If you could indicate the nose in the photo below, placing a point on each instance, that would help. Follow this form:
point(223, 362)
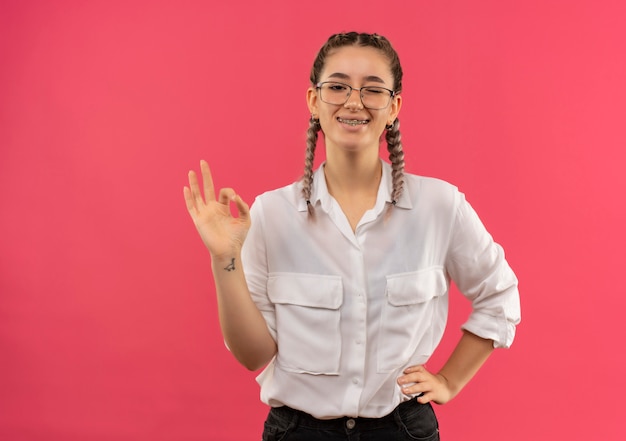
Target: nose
point(354, 100)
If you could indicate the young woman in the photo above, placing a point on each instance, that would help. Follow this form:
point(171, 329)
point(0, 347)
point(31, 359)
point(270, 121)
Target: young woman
point(338, 284)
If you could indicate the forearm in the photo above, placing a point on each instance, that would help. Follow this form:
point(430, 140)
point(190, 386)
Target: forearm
point(243, 326)
point(468, 356)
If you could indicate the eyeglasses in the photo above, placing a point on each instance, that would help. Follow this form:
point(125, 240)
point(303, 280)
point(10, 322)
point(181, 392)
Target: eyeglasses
point(372, 97)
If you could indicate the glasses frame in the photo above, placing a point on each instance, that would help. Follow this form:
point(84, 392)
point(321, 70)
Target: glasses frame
point(392, 93)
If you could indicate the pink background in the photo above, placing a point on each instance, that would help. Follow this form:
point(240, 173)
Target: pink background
point(108, 328)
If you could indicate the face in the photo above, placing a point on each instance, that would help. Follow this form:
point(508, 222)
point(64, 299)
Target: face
point(351, 126)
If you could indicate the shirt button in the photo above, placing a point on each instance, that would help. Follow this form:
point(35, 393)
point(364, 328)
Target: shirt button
point(355, 380)
point(350, 423)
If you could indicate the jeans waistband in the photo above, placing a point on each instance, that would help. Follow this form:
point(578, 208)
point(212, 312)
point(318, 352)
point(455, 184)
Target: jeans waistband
point(306, 420)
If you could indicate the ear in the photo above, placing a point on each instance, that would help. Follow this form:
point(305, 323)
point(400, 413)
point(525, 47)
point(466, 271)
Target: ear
point(394, 108)
point(312, 100)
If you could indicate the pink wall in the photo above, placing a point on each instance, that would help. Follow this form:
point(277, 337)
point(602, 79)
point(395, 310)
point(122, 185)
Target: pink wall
point(108, 328)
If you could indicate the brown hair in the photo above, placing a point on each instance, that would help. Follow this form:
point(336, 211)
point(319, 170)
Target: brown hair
point(392, 135)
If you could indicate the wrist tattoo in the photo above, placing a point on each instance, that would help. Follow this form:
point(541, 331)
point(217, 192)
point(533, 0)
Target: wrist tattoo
point(231, 265)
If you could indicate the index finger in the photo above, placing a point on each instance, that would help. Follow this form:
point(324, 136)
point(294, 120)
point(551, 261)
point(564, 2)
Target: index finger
point(207, 181)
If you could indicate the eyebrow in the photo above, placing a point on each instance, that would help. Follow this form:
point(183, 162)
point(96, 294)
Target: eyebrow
point(369, 78)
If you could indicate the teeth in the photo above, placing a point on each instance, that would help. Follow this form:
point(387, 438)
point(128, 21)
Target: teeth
point(353, 122)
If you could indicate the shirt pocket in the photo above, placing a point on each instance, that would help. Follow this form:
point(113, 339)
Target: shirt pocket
point(413, 317)
point(307, 321)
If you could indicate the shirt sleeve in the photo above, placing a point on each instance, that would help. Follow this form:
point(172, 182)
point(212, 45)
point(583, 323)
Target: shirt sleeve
point(255, 266)
point(478, 267)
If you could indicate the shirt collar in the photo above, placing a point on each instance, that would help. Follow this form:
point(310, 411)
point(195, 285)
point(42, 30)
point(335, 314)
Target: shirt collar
point(320, 194)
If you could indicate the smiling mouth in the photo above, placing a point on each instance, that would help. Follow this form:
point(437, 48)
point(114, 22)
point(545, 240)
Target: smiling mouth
point(353, 122)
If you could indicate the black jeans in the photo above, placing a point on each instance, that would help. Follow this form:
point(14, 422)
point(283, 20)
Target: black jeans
point(409, 421)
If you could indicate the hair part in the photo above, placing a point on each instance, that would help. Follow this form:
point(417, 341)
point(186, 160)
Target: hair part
point(362, 40)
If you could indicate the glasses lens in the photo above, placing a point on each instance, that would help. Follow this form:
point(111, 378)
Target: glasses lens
point(337, 93)
point(334, 93)
point(375, 97)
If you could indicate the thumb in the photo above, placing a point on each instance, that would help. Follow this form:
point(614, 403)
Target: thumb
point(243, 211)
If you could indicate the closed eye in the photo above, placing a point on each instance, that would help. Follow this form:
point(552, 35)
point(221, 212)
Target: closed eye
point(374, 90)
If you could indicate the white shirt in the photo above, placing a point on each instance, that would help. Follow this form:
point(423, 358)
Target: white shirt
point(351, 310)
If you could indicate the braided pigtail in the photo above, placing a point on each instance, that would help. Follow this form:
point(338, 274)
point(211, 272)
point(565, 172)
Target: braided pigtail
point(307, 179)
point(396, 157)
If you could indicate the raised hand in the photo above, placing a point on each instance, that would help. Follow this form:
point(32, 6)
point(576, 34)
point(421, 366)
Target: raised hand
point(222, 233)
